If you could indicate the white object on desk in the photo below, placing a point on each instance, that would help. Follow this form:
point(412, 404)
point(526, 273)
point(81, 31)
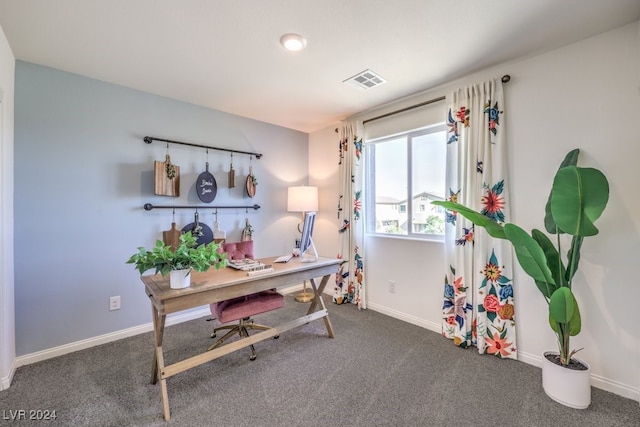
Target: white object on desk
point(260, 271)
point(283, 258)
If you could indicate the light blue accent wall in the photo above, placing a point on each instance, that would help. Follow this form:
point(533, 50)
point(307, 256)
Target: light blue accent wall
point(82, 175)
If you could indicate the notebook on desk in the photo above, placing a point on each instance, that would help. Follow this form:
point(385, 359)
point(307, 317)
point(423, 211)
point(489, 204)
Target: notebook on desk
point(245, 264)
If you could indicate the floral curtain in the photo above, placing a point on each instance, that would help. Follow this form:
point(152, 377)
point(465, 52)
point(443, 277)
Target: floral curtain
point(350, 286)
point(478, 288)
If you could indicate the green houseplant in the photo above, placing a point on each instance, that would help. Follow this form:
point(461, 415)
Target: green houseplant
point(577, 199)
point(187, 256)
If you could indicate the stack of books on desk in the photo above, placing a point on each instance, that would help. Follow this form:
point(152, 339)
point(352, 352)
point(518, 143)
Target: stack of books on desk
point(249, 265)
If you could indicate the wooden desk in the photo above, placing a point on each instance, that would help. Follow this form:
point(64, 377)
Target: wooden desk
point(219, 285)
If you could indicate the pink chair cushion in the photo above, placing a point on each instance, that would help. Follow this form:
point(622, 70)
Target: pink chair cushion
point(237, 250)
point(247, 306)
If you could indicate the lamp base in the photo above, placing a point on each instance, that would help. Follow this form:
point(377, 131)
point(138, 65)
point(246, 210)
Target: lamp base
point(304, 296)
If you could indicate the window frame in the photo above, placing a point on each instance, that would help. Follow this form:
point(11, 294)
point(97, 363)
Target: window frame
point(369, 179)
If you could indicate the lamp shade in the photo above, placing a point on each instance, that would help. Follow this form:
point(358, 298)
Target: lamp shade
point(302, 199)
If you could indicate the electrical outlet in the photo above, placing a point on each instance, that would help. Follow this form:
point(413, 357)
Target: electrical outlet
point(392, 286)
point(114, 303)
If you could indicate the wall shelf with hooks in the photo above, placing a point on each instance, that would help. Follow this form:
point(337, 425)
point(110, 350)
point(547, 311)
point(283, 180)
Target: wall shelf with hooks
point(150, 139)
point(149, 206)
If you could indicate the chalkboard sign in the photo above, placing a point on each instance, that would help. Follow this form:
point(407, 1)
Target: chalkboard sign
point(206, 186)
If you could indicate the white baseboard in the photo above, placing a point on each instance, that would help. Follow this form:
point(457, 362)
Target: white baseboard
point(616, 387)
point(5, 381)
point(114, 336)
point(597, 381)
point(435, 327)
point(107, 338)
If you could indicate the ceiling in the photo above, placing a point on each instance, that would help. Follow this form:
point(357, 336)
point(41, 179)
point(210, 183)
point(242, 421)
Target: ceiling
point(226, 55)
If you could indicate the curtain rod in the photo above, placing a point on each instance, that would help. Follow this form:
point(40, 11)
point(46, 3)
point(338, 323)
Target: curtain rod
point(150, 139)
point(505, 79)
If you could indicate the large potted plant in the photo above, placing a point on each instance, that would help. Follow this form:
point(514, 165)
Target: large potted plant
point(179, 263)
point(577, 199)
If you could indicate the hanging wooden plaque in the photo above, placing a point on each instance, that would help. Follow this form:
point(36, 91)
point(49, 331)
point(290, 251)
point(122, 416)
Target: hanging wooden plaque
point(164, 185)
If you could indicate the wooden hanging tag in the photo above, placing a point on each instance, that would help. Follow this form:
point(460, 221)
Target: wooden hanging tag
point(232, 177)
point(232, 174)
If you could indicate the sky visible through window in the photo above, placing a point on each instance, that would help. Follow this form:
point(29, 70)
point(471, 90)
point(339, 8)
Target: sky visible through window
point(391, 166)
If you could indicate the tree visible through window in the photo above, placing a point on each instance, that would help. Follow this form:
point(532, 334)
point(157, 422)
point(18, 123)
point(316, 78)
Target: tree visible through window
point(405, 173)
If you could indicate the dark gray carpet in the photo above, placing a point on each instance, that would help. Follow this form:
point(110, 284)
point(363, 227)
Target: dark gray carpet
point(378, 371)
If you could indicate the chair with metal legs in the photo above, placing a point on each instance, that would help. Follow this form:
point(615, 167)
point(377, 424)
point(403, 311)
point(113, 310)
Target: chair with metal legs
point(242, 308)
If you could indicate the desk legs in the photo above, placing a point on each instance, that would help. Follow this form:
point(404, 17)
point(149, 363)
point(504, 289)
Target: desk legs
point(318, 290)
point(159, 370)
point(158, 359)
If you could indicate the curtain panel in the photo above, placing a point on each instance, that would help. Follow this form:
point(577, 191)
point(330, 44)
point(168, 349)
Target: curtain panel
point(350, 284)
point(478, 307)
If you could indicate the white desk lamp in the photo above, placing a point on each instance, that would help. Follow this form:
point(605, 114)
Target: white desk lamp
point(302, 199)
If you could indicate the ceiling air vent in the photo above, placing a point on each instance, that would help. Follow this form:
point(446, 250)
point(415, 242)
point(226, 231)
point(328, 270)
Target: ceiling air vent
point(365, 80)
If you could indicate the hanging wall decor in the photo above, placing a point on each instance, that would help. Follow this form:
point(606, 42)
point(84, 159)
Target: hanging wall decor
point(247, 231)
point(252, 181)
point(218, 235)
point(201, 231)
point(206, 185)
point(171, 237)
point(167, 177)
point(232, 174)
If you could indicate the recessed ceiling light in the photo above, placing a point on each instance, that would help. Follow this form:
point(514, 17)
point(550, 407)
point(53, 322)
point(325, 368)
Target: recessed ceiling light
point(293, 42)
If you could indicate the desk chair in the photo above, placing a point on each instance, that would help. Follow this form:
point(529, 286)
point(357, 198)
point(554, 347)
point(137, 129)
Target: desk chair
point(241, 309)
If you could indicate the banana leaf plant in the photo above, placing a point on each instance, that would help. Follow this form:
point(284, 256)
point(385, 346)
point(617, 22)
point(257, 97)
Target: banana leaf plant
point(577, 199)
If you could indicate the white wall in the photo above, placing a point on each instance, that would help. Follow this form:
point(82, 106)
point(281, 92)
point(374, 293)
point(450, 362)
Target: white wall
point(82, 175)
point(323, 166)
point(585, 95)
point(7, 328)
point(581, 96)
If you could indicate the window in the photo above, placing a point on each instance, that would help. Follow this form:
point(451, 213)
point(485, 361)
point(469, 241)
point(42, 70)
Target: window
point(404, 174)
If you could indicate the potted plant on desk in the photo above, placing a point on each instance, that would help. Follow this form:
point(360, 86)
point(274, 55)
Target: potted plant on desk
point(578, 198)
point(179, 263)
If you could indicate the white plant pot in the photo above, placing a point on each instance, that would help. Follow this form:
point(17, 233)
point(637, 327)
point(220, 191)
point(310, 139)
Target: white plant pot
point(569, 387)
point(179, 279)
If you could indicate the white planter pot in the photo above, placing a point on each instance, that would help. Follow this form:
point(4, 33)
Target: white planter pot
point(569, 387)
point(179, 279)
